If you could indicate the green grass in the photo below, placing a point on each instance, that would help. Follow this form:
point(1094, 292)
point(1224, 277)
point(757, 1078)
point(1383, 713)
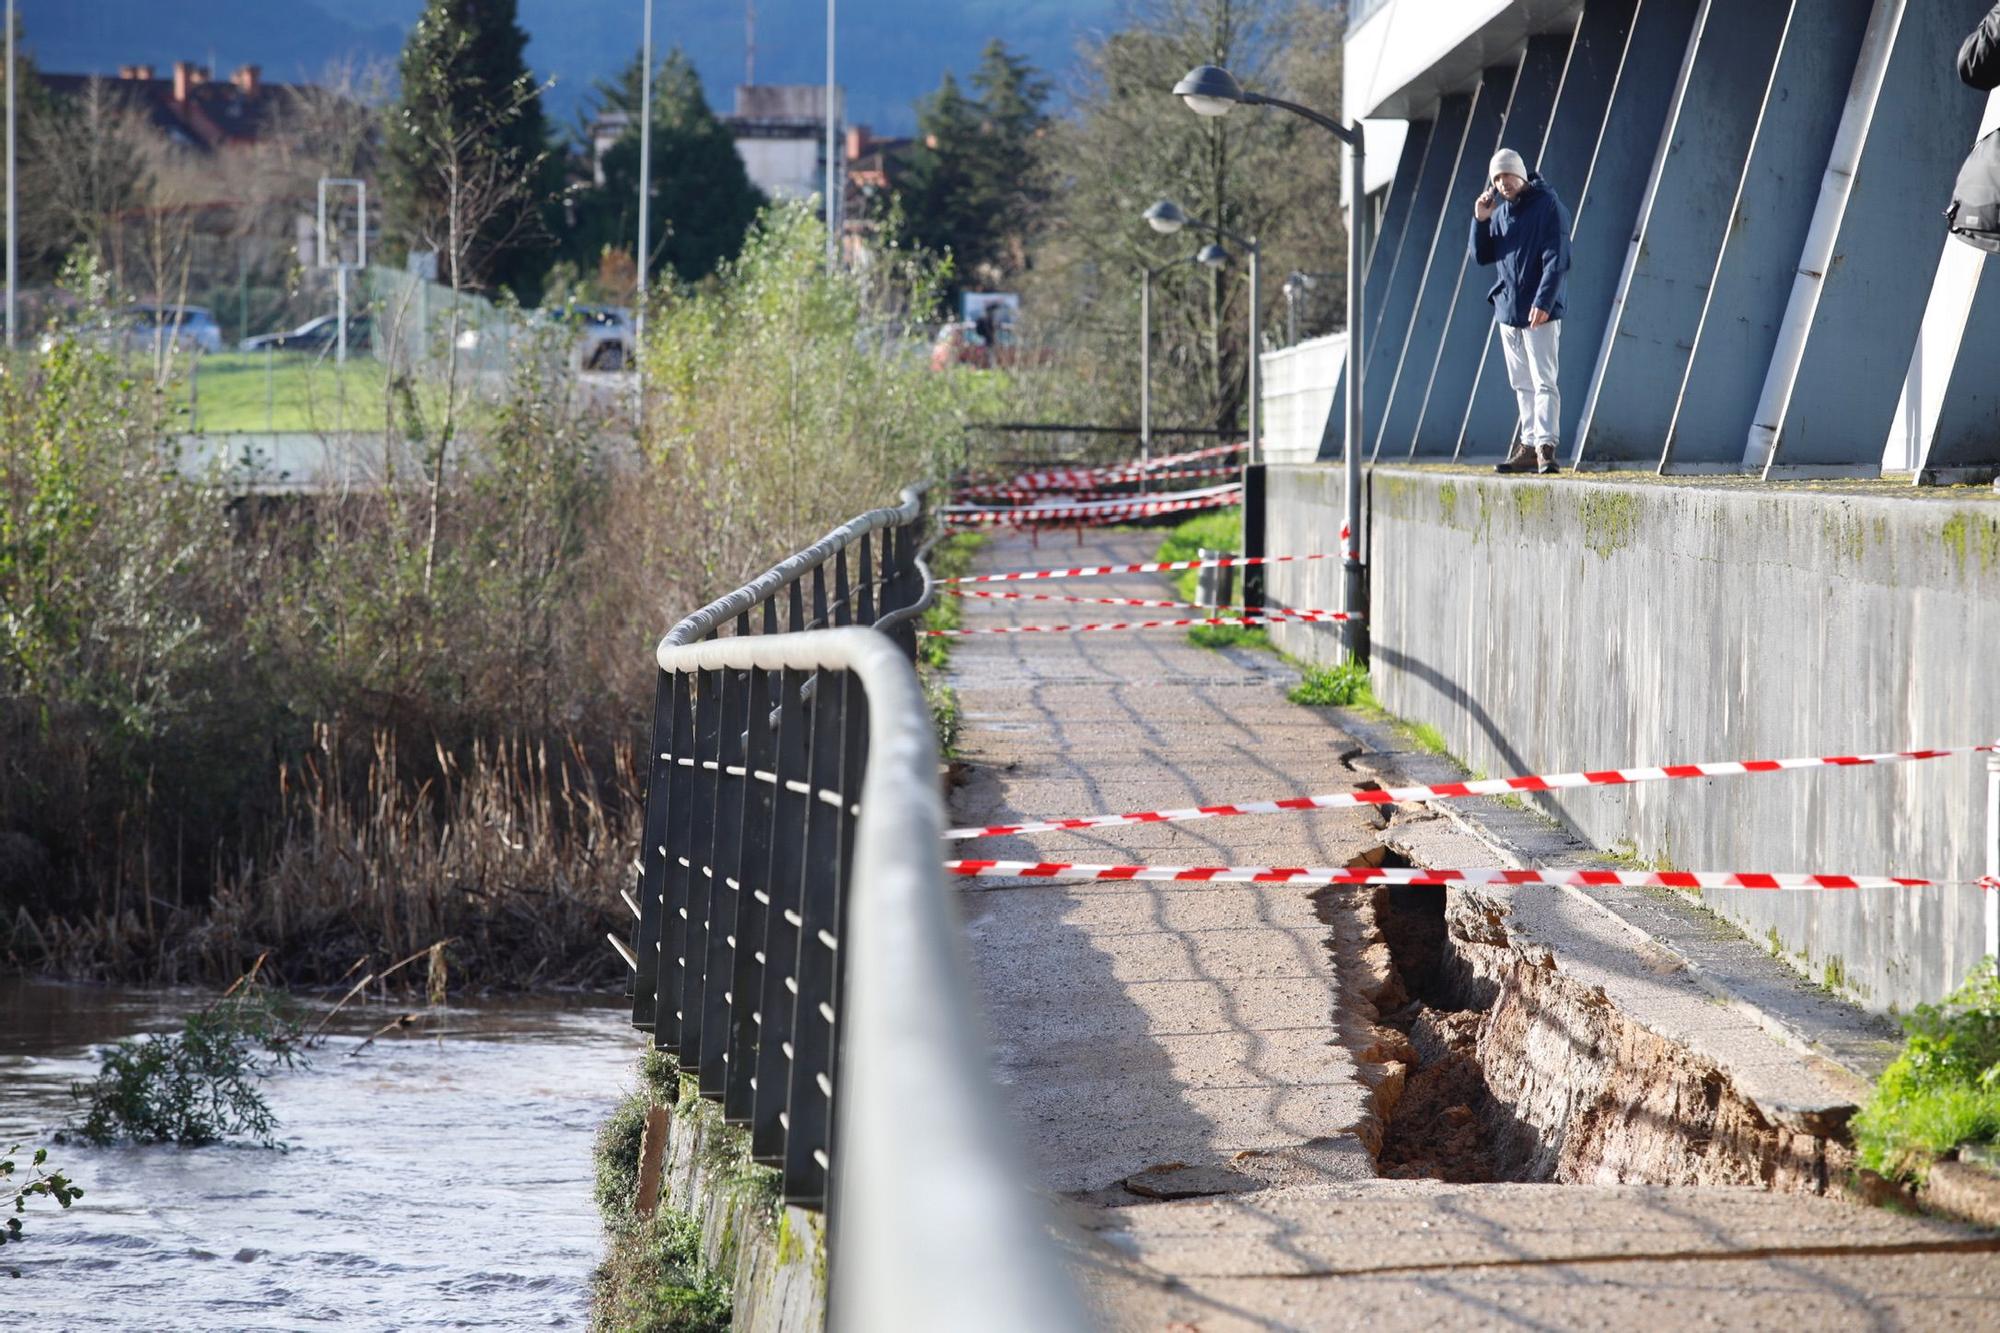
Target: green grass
point(1342, 686)
point(1229, 636)
point(1944, 1089)
point(949, 559)
point(1217, 530)
point(1425, 737)
point(287, 391)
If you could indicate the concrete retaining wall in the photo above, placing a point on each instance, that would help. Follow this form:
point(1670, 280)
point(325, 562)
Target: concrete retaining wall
point(1545, 626)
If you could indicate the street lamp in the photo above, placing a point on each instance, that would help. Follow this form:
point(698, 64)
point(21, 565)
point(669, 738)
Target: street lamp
point(1167, 217)
point(1297, 283)
point(1210, 90)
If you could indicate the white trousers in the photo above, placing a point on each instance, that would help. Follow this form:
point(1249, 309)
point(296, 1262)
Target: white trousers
point(1531, 370)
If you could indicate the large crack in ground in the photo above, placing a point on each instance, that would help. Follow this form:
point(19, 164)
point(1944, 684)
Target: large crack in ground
point(1436, 1115)
point(1487, 1063)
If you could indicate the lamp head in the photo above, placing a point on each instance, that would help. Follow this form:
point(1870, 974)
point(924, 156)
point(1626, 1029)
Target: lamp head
point(1209, 90)
point(1165, 217)
point(1212, 256)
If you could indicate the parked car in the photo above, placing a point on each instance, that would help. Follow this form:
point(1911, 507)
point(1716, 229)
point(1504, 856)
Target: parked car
point(315, 335)
point(138, 328)
point(604, 335)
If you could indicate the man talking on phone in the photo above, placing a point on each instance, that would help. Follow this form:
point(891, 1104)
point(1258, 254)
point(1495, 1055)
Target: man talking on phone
point(1520, 225)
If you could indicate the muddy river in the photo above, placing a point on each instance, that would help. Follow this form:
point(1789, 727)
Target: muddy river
point(440, 1180)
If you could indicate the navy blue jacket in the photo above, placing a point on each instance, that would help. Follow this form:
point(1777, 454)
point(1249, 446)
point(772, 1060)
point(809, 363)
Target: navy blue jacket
point(1529, 240)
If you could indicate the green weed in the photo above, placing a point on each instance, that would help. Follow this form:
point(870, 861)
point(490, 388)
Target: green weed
point(1342, 686)
point(39, 1183)
point(1425, 737)
point(1229, 636)
point(1944, 1089)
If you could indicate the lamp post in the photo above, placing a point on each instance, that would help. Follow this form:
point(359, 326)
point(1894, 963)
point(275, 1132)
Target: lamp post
point(1210, 90)
point(645, 210)
point(1296, 283)
point(1167, 217)
point(1146, 345)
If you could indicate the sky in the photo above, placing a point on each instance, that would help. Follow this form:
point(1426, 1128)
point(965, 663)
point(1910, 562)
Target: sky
point(891, 51)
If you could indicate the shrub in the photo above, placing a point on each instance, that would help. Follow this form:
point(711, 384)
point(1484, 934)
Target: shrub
point(1944, 1089)
point(198, 1086)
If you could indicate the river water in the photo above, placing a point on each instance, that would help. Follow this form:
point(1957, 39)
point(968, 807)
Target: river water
point(428, 1183)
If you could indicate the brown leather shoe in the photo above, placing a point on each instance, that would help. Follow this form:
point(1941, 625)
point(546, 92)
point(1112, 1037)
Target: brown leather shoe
point(1520, 459)
point(1545, 459)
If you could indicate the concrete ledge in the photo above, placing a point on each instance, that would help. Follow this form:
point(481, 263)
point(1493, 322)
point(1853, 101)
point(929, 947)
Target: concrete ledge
point(1545, 625)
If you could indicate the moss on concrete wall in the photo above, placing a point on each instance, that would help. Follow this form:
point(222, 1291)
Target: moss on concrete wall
point(722, 1250)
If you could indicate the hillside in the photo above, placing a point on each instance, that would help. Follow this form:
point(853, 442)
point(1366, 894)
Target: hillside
point(891, 51)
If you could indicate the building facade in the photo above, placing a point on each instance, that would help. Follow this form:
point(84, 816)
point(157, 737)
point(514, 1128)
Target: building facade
point(1763, 281)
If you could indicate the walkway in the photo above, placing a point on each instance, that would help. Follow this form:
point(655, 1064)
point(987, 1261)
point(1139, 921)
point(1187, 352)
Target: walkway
point(1170, 1042)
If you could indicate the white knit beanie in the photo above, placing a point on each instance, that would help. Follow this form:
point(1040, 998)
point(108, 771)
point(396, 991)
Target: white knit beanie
point(1506, 162)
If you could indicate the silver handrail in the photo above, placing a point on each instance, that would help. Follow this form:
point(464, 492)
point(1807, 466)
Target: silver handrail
point(932, 1226)
point(730, 605)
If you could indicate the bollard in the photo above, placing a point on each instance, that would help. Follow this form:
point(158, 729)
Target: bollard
point(1214, 586)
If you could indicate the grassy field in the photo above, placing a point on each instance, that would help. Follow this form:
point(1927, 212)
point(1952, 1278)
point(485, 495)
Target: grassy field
point(284, 391)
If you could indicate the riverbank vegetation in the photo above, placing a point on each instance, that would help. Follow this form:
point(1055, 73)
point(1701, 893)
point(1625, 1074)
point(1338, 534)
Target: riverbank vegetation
point(322, 727)
point(653, 1276)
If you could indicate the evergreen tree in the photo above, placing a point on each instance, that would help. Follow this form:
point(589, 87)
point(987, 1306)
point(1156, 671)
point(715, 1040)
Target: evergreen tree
point(703, 203)
point(468, 165)
point(975, 186)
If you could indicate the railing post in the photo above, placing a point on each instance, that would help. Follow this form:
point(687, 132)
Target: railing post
point(755, 842)
point(864, 613)
point(792, 820)
point(807, 1104)
point(652, 869)
point(843, 598)
point(724, 884)
point(700, 846)
point(673, 846)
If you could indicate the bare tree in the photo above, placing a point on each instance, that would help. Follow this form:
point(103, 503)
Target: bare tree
point(1128, 142)
point(471, 204)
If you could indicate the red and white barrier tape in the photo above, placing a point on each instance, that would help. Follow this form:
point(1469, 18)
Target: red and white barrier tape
point(1268, 617)
point(1579, 879)
point(1092, 513)
point(1002, 594)
point(1230, 490)
point(1148, 567)
point(1130, 470)
point(1013, 490)
point(1481, 787)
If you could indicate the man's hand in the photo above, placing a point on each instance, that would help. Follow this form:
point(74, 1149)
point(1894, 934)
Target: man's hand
point(1537, 317)
point(1483, 209)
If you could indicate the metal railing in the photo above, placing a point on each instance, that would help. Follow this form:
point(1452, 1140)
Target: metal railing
point(796, 946)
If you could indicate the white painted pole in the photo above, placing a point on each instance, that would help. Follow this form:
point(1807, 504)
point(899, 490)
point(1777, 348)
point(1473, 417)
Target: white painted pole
point(832, 159)
point(340, 285)
point(645, 171)
point(1145, 367)
point(1992, 894)
point(13, 219)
